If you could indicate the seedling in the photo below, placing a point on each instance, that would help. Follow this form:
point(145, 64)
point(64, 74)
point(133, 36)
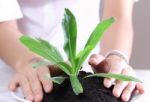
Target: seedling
point(75, 60)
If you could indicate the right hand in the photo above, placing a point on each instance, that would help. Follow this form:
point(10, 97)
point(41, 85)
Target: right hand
point(31, 82)
point(115, 64)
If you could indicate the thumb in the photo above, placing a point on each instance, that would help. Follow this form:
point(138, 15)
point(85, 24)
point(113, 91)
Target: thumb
point(98, 63)
point(95, 59)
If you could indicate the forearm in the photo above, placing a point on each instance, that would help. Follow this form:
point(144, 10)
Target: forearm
point(120, 35)
point(11, 50)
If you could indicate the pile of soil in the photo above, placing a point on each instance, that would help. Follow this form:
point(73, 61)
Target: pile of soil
point(94, 91)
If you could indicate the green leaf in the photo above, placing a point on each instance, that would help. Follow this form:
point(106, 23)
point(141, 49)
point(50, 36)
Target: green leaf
point(116, 76)
point(76, 85)
point(82, 57)
point(70, 29)
point(49, 52)
point(64, 67)
point(45, 50)
point(99, 31)
point(92, 41)
point(55, 51)
point(42, 48)
point(57, 80)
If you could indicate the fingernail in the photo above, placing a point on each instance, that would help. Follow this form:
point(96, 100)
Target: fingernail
point(92, 61)
point(48, 88)
point(137, 92)
point(38, 98)
point(126, 98)
point(30, 98)
point(142, 92)
point(108, 84)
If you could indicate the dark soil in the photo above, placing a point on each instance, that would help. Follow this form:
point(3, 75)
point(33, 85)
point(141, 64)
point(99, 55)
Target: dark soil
point(94, 91)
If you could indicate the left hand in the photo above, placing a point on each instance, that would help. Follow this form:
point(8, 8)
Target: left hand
point(114, 64)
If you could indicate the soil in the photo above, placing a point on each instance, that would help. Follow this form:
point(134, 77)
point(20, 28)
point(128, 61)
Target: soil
point(94, 91)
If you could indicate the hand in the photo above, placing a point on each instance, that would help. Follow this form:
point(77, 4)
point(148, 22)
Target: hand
point(31, 81)
point(114, 64)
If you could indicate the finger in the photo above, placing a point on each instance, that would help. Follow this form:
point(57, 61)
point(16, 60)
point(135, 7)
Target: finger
point(13, 84)
point(36, 87)
point(140, 88)
point(117, 69)
point(128, 91)
point(24, 83)
point(118, 88)
point(98, 63)
point(47, 84)
point(121, 85)
point(95, 59)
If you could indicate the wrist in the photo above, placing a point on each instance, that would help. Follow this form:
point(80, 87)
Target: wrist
point(118, 55)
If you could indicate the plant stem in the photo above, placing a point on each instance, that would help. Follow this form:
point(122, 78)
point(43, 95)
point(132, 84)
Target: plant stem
point(76, 85)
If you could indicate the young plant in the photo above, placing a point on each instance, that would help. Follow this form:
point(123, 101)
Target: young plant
point(75, 60)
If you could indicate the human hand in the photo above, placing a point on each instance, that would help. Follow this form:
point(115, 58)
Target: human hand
point(31, 81)
point(114, 64)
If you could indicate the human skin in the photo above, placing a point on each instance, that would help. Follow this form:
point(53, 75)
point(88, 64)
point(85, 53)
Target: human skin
point(119, 37)
point(16, 55)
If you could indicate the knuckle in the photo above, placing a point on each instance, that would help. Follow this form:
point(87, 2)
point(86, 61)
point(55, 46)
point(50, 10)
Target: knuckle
point(46, 82)
point(122, 83)
point(115, 70)
point(130, 88)
point(33, 79)
point(37, 90)
point(36, 87)
point(24, 82)
point(42, 71)
point(27, 91)
point(132, 84)
point(128, 71)
point(117, 87)
point(26, 86)
point(126, 91)
point(125, 71)
point(43, 79)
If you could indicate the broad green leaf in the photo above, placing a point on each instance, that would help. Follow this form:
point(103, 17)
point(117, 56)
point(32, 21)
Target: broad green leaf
point(116, 76)
point(92, 41)
point(64, 67)
point(99, 31)
point(70, 29)
point(41, 48)
point(76, 85)
point(57, 80)
point(82, 57)
point(45, 50)
point(49, 52)
point(55, 51)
